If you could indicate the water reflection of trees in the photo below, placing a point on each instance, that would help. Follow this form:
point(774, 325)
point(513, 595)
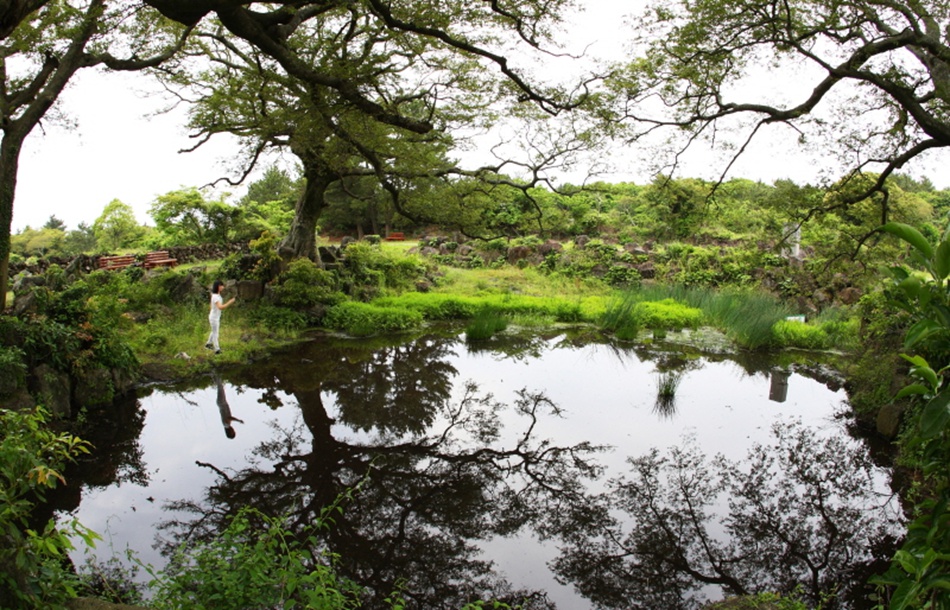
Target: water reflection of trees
point(439, 475)
point(802, 515)
point(116, 456)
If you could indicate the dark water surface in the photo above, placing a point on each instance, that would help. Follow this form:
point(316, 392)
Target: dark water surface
point(522, 483)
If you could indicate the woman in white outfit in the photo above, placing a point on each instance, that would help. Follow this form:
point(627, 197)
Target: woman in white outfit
point(217, 306)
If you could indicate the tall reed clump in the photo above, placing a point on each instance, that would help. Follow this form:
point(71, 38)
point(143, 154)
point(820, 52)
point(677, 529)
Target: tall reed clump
point(485, 324)
point(629, 313)
point(746, 317)
point(667, 383)
point(618, 318)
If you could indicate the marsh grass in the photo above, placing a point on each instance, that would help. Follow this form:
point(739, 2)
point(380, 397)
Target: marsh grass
point(747, 317)
point(440, 306)
point(667, 383)
point(485, 325)
point(511, 280)
point(627, 314)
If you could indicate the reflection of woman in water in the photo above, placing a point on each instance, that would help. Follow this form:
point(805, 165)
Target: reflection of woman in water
point(225, 409)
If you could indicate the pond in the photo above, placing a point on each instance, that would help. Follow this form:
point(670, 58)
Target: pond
point(560, 470)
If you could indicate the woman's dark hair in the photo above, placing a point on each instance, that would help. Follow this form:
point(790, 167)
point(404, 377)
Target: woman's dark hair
point(216, 286)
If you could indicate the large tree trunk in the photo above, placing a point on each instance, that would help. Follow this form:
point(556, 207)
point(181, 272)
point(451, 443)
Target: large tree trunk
point(10, 147)
point(301, 239)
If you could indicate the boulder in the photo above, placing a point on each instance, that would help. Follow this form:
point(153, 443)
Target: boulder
point(52, 390)
point(888, 420)
point(26, 282)
point(20, 400)
point(123, 381)
point(328, 255)
point(185, 287)
point(94, 388)
point(249, 290)
point(24, 304)
point(849, 296)
point(646, 270)
point(518, 253)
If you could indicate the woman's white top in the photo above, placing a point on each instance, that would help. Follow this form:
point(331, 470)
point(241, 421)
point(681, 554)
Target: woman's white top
point(216, 300)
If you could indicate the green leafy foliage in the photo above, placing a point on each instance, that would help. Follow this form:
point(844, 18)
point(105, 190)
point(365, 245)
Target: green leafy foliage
point(792, 333)
point(184, 217)
point(363, 319)
point(667, 314)
point(485, 324)
point(918, 576)
point(304, 285)
point(256, 562)
point(369, 270)
point(116, 227)
point(33, 572)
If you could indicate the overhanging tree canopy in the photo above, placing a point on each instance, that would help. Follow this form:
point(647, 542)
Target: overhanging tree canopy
point(872, 76)
point(42, 45)
point(365, 88)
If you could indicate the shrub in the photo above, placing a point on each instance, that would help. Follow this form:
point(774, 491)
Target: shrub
point(256, 562)
point(32, 561)
point(278, 319)
point(362, 319)
point(485, 324)
point(667, 314)
point(304, 285)
point(434, 306)
point(792, 333)
point(368, 270)
point(12, 369)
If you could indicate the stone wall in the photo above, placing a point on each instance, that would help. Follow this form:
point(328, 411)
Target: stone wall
point(86, 263)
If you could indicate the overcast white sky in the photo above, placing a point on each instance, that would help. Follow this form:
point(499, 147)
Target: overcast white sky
point(120, 150)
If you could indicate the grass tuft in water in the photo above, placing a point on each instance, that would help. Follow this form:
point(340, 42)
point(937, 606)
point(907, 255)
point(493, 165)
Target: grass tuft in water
point(485, 324)
point(746, 316)
point(666, 385)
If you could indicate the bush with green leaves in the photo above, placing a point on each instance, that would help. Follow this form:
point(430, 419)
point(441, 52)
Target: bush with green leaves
point(363, 319)
point(33, 562)
point(304, 285)
point(794, 333)
point(77, 327)
point(277, 318)
point(12, 369)
point(485, 324)
point(369, 270)
point(256, 562)
point(667, 314)
point(919, 575)
point(433, 306)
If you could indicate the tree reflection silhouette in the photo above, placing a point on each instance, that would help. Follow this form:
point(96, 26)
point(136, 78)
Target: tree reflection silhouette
point(437, 476)
point(803, 515)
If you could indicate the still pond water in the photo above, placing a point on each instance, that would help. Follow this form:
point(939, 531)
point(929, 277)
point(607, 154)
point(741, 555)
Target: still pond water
point(520, 469)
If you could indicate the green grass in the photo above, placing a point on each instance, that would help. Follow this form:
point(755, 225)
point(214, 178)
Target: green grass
point(746, 316)
point(512, 280)
point(485, 324)
point(442, 306)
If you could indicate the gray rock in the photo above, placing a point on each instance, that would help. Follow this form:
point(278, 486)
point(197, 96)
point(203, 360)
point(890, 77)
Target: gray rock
point(53, 390)
point(94, 388)
point(26, 282)
point(249, 290)
point(25, 304)
point(889, 419)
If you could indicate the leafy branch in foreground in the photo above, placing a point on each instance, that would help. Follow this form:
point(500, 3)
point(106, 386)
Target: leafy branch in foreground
point(33, 572)
point(919, 576)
